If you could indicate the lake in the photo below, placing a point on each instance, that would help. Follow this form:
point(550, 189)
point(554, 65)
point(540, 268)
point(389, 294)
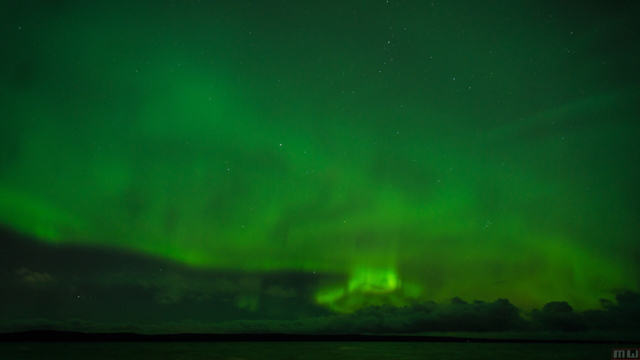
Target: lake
point(303, 350)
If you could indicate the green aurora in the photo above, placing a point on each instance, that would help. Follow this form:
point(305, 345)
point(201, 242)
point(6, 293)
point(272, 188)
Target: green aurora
point(399, 152)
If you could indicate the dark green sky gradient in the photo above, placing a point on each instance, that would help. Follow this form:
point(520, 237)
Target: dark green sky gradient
point(391, 152)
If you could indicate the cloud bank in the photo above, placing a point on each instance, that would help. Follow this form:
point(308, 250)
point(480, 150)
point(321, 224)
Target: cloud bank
point(500, 318)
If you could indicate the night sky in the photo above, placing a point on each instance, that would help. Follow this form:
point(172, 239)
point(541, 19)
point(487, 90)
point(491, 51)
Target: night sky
point(171, 166)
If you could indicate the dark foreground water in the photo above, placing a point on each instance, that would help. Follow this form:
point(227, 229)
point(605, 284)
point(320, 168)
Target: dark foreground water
point(302, 350)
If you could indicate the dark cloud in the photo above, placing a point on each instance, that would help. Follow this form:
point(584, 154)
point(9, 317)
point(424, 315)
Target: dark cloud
point(558, 315)
point(60, 282)
point(458, 315)
point(489, 319)
point(624, 315)
point(107, 290)
point(103, 290)
point(281, 292)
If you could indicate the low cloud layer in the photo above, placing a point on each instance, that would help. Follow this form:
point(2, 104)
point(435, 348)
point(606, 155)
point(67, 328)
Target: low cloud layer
point(500, 318)
point(112, 291)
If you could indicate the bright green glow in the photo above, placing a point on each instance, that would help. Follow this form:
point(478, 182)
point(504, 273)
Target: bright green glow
point(329, 296)
point(374, 281)
point(254, 205)
point(368, 286)
point(29, 215)
point(240, 154)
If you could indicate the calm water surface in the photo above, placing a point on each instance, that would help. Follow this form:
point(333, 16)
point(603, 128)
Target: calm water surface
point(301, 350)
